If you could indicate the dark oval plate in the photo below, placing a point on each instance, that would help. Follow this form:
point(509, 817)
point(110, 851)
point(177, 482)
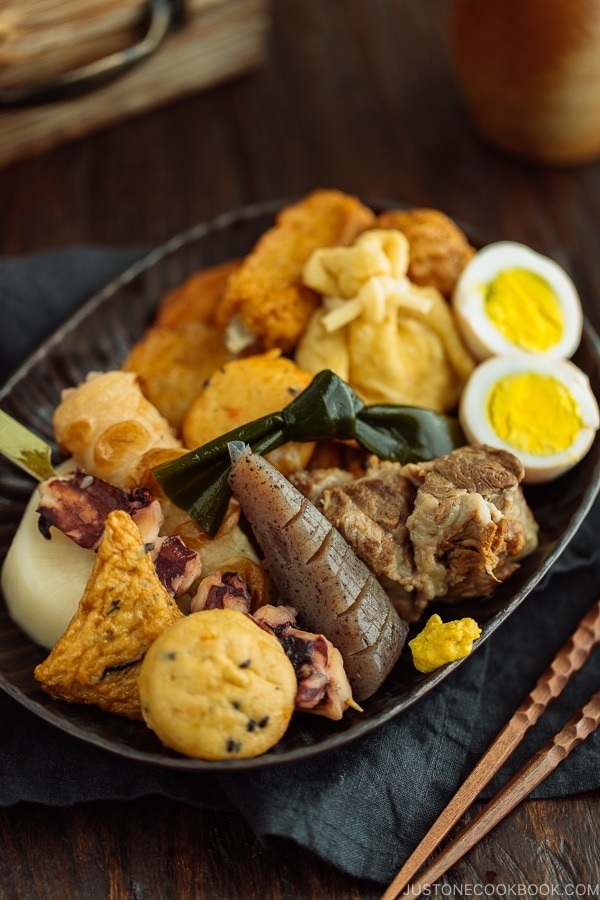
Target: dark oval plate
point(99, 337)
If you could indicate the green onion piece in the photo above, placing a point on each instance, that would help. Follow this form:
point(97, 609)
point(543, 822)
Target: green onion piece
point(328, 408)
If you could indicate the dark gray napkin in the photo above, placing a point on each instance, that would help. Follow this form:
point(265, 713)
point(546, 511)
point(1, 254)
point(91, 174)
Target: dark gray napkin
point(39, 292)
point(363, 807)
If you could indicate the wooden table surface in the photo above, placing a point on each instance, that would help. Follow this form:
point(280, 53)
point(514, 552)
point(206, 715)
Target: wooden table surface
point(359, 96)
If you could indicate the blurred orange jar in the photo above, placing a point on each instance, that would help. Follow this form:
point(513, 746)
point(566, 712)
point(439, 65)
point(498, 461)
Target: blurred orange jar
point(530, 74)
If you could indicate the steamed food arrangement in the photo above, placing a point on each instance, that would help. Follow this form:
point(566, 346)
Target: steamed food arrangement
point(257, 508)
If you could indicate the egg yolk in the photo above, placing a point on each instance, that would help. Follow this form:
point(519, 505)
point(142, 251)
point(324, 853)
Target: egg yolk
point(534, 413)
point(525, 310)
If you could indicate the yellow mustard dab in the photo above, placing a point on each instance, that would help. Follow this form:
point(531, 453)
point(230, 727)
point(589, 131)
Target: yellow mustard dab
point(443, 642)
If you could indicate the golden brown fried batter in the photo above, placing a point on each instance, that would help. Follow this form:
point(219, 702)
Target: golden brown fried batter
point(439, 250)
point(246, 389)
point(265, 305)
point(174, 363)
point(106, 424)
point(123, 610)
point(196, 299)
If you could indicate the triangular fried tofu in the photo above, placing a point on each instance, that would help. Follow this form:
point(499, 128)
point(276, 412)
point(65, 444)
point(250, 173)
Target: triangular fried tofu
point(123, 610)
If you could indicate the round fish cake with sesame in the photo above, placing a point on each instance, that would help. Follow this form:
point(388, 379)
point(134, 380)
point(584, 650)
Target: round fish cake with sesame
point(217, 686)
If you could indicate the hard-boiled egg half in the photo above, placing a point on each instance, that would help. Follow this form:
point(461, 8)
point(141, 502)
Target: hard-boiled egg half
point(509, 299)
point(541, 410)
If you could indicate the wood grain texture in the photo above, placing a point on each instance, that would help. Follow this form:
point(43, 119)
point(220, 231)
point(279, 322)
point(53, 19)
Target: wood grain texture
point(362, 97)
point(570, 658)
point(215, 44)
point(516, 790)
point(157, 849)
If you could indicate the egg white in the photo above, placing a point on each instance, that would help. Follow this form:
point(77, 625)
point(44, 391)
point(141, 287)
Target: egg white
point(481, 336)
point(478, 428)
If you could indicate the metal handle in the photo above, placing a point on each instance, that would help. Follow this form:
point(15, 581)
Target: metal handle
point(86, 78)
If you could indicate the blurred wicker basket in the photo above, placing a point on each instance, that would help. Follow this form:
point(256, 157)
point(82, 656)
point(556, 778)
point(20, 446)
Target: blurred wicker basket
point(40, 40)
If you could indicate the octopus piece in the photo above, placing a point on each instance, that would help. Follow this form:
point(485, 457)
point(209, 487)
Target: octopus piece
point(323, 687)
point(78, 505)
point(176, 565)
point(222, 590)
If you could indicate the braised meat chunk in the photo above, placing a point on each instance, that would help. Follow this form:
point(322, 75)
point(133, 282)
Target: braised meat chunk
point(448, 529)
point(371, 513)
point(470, 524)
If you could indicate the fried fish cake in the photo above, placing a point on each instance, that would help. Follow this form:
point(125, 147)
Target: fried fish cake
point(246, 389)
point(217, 686)
point(439, 250)
point(123, 610)
point(174, 363)
point(196, 299)
point(265, 304)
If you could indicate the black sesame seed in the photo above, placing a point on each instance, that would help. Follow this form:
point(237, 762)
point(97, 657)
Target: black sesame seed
point(250, 725)
point(262, 723)
point(244, 664)
point(170, 655)
point(233, 746)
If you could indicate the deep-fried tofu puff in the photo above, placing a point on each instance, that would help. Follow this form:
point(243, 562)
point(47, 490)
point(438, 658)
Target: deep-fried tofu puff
point(246, 389)
point(174, 363)
point(265, 304)
point(415, 358)
point(392, 340)
point(123, 610)
point(217, 686)
point(439, 250)
point(197, 298)
point(106, 424)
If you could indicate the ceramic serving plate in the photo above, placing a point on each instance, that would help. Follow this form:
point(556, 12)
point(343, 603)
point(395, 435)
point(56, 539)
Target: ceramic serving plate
point(98, 338)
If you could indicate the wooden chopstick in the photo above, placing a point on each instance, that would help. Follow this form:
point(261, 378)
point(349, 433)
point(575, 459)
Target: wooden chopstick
point(519, 786)
point(569, 659)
